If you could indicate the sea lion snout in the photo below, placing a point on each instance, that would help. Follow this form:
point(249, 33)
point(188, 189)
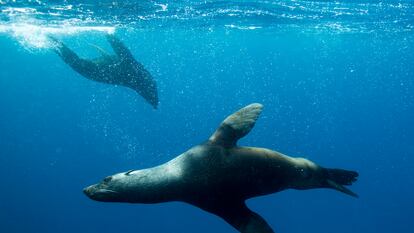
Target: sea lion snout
point(90, 191)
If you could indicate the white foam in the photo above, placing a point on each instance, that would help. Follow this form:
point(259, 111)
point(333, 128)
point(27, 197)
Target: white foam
point(24, 25)
point(18, 10)
point(35, 35)
point(242, 27)
point(164, 7)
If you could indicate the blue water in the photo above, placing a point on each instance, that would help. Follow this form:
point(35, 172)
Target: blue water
point(336, 80)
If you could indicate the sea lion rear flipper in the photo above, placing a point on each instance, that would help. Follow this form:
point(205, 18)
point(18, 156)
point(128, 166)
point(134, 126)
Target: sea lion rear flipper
point(242, 218)
point(337, 178)
point(237, 125)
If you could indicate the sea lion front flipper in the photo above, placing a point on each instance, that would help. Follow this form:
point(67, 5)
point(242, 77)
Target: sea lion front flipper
point(242, 218)
point(119, 48)
point(82, 66)
point(236, 126)
point(101, 50)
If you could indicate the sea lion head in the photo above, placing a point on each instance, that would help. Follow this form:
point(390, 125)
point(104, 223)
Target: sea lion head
point(134, 186)
point(110, 189)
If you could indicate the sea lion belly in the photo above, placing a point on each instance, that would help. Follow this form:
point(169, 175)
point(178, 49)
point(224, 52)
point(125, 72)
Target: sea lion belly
point(239, 172)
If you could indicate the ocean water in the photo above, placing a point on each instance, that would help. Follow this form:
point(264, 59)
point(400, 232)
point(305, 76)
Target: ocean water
point(336, 79)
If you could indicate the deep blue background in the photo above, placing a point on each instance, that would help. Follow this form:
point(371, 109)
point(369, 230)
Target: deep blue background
point(340, 99)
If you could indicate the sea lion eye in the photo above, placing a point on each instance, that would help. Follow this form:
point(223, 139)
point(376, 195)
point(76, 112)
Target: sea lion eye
point(305, 173)
point(107, 179)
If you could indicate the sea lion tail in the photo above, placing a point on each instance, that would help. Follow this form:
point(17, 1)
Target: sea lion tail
point(337, 178)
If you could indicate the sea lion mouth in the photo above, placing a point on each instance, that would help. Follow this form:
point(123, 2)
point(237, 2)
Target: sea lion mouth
point(96, 193)
point(106, 191)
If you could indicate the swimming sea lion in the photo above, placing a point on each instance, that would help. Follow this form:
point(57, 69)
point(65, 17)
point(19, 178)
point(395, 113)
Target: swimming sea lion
point(120, 69)
point(218, 176)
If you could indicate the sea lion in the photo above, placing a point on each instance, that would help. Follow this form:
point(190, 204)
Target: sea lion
point(119, 69)
point(218, 176)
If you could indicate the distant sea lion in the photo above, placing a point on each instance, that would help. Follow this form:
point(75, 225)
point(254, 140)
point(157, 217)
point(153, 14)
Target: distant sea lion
point(120, 69)
point(218, 176)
